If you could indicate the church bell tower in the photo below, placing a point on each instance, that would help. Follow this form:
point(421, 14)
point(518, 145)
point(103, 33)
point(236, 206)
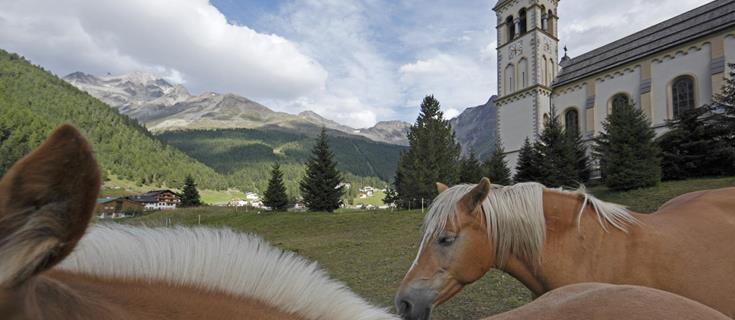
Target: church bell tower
point(527, 65)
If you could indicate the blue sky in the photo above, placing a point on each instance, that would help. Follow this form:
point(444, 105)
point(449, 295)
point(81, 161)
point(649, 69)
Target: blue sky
point(353, 61)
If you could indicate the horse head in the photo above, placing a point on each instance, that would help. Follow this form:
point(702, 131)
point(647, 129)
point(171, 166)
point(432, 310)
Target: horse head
point(46, 202)
point(453, 251)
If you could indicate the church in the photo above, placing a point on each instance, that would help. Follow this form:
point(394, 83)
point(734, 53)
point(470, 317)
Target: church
point(671, 67)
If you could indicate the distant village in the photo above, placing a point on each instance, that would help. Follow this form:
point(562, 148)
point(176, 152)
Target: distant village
point(158, 200)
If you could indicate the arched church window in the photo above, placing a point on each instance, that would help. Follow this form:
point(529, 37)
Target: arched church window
point(544, 70)
point(511, 28)
point(682, 95)
point(523, 26)
point(620, 100)
point(571, 121)
point(544, 18)
point(510, 71)
point(523, 70)
point(550, 21)
point(550, 71)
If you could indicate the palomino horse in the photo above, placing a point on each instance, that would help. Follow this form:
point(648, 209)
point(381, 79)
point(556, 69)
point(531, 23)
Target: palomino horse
point(121, 272)
point(549, 238)
point(585, 301)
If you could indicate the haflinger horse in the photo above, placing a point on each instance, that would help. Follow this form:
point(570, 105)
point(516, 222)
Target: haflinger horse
point(49, 268)
point(550, 238)
point(601, 301)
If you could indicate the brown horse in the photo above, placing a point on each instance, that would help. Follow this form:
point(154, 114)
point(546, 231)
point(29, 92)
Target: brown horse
point(599, 301)
point(549, 238)
point(49, 268)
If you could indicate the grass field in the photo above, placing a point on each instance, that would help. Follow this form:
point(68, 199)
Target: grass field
point(371, 251)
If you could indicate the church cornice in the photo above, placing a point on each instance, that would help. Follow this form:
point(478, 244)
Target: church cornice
point(525, 93)
point(529, 32)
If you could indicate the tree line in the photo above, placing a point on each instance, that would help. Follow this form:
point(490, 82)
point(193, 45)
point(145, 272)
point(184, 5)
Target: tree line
point(627, 153)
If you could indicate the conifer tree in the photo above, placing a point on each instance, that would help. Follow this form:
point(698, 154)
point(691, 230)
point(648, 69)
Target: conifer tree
point(321, 187)
point(275, 195)
point(496, 168)
point(391, 196)
point(583, 165)
point(726, 120)
point(432, 156)
point(528, 167)
point(470, 169)
point(559, 154)
point(631, 158)
point(190, 194)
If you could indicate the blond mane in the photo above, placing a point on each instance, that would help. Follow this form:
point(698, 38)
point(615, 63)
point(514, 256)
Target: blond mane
point(515, 217)
point(221, 260)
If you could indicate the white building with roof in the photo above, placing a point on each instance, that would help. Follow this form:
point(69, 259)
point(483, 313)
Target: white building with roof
point(671, 67)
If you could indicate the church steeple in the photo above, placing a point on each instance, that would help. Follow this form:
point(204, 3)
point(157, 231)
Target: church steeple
point(527, 39)
point(527, 66)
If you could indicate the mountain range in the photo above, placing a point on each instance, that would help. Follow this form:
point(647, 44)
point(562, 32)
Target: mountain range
point(162, 106)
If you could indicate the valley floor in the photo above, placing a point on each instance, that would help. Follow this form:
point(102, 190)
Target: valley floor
point(371, 251)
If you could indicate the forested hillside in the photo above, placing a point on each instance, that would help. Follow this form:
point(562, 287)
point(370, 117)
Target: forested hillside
point(247, 154)
point(33, 102)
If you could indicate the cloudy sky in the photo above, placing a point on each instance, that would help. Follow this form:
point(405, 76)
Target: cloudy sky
point(353, 61)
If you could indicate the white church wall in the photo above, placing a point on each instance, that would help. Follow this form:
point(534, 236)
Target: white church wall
point(695, 62)
point(729, 46)
point(574, 97)
point(516, 120)
point(624, 81)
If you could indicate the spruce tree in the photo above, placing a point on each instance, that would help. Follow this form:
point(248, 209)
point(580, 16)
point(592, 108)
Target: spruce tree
point(496, 168)
point(190, 194)
point(432, 156)
point(631, 158)
point(583, 165)
point(528, 166)
point(321, 187)
point(559, 154)
point(725, 121)
point(391, 196)
point(275, 195)
point(470, 169)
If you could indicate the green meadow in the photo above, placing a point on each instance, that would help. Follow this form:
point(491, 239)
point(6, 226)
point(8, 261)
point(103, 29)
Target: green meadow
point(370, 251)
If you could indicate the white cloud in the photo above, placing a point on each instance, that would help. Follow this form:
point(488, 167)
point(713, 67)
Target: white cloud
point(456, 81)
point(186, 40)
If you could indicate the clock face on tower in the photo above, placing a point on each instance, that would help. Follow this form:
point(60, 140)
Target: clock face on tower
point(516, 49)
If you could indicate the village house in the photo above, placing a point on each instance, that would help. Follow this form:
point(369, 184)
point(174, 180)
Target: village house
point(158, 200)
point(117, 208)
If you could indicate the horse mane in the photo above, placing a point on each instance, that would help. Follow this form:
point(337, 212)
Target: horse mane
point(219, 260)
point(515, 217)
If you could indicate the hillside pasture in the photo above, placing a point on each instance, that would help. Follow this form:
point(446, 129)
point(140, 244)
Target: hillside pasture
point(371, 250)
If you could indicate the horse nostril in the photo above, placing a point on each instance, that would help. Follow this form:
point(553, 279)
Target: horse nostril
point(404, 307)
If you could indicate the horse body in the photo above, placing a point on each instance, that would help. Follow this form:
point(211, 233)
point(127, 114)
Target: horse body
point(549, 239)
point(681, 249)
point(610, 302)
point(51, 270)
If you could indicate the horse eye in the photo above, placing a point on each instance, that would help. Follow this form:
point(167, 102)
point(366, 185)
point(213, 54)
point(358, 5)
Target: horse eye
point(446, 240)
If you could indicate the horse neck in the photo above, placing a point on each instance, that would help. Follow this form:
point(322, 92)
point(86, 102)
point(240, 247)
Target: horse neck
point(572, 247)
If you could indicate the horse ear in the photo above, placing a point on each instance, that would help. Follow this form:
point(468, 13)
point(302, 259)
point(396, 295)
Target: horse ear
point(46, 201)
point(441, 187)
point(477, 195)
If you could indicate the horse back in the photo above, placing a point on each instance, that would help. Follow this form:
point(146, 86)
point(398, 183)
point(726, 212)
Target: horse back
point(715, 201)
point(67, 295)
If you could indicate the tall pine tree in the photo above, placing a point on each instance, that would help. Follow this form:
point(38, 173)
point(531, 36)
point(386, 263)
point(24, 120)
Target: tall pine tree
point(275, 195)
point(321, 187)
point(190, 194)
point(496, 168)
point(470, 169)
point(559, 154)
point(631, 158)
point(528, 167)
point(432, 156)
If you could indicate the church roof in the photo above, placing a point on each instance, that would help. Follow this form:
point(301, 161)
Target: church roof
point(707, 19)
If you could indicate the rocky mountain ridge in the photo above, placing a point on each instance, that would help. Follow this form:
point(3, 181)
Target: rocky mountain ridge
point(163, 106)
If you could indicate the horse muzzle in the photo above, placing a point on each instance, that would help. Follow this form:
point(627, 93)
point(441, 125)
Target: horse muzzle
point(415, 304)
